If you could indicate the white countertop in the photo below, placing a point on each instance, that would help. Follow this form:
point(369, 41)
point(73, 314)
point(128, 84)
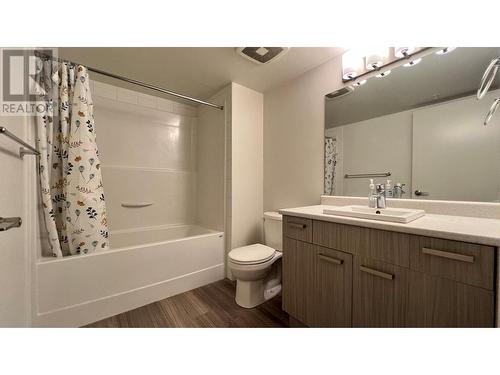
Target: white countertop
point(459, 228)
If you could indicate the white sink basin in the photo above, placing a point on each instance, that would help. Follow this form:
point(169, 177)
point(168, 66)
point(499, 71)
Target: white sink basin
point(396, 215)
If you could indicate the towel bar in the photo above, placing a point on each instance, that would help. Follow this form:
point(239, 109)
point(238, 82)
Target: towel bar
point(367, 175)
point(26, 150)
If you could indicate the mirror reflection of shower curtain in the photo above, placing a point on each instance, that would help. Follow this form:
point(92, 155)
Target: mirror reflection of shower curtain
point(74, 209)
point(330, 164)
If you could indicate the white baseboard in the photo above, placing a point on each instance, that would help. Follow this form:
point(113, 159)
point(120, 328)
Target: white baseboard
point(92, 311)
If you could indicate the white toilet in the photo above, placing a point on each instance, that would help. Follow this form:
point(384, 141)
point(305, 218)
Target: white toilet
point(257, 268)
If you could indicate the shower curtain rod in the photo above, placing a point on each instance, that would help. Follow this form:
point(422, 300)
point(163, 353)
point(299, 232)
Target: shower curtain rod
point(138, 83)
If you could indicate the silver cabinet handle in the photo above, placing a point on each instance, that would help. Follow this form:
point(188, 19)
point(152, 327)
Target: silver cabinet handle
point(297, 225)
point(330, 259)
point(419, 193)
point(373, 272)
point(448, 255)
point(7, 223)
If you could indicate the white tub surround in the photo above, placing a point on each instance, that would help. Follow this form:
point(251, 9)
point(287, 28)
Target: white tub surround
point(147, 146)
point(148, 265)
point(459, 228)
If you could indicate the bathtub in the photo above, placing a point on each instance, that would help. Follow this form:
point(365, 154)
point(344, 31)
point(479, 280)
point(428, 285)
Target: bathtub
point(143, 266)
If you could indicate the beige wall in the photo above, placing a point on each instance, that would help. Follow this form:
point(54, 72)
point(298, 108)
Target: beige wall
point(17, 199)
point(293, 137)
point(211, 154)
point(247, 166)
point(13, 255)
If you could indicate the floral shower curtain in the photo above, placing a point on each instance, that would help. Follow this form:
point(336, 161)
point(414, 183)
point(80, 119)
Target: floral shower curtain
point(330, 164)
point(74, 209)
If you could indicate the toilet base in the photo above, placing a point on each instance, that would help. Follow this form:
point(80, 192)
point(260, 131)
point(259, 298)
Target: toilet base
point(249, 293)
point(255, 291)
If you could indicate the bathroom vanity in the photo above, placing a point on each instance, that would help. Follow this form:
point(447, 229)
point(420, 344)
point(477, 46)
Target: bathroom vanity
point(438, 271)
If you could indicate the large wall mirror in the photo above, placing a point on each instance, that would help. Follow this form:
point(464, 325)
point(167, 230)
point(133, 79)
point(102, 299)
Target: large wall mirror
point(421, 127)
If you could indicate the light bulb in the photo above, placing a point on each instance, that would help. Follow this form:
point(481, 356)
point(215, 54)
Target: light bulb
point(352, 64)
point(377, 58)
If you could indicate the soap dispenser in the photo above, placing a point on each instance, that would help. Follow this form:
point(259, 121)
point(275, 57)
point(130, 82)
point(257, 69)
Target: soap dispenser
point(388, 189)
point(372, 199)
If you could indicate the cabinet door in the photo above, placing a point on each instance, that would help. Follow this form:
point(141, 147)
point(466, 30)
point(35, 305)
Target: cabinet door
point(379, 293)
point(333, 288)
point(299, 266)
point(438, 302)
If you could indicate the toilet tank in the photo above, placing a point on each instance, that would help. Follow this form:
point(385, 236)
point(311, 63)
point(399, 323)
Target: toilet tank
point(273, 230)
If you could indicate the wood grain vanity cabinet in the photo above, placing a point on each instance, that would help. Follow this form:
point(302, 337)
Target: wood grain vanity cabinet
point(317, 281)
point(379, 293)
point(332, 292)
point(299, 264)
point(337, 275)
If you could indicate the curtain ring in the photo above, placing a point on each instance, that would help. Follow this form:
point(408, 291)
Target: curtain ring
point(488, 77)
point(491, 112)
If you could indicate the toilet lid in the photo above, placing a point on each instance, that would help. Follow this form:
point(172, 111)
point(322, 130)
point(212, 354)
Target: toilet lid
point(252, 254)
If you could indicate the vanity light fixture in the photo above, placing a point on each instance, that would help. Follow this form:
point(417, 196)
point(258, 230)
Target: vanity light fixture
point(412, 62)
point(402, 52)
point(445, 50)
point(359, 62)
point(352, 64)
point(377, 58)
point(383, 74)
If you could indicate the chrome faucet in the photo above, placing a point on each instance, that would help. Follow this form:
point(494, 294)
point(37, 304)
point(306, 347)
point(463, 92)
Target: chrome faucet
point(380, 195)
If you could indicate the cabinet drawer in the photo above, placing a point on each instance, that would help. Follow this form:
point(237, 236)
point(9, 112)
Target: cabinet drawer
point(389, 247)
point(460, 261)
point(337, 236)
point(298, 228)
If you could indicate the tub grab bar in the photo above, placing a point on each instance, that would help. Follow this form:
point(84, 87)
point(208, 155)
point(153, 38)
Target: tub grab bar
point(136, 204)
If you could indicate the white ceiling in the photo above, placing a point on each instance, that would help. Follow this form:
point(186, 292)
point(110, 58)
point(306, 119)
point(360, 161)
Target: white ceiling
point(198, 72)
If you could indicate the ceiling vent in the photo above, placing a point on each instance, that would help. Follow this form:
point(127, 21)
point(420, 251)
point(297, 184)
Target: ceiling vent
point(340, 93)
point(262, 55)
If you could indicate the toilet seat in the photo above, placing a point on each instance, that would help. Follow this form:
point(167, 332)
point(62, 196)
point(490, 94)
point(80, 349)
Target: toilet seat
point(252, 254)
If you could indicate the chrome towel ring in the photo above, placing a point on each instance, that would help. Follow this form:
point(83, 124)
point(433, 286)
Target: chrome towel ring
point(484, 86)
point(488, 77)
point(492, 111)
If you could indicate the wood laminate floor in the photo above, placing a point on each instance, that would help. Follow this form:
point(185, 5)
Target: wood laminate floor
point(209, 306)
